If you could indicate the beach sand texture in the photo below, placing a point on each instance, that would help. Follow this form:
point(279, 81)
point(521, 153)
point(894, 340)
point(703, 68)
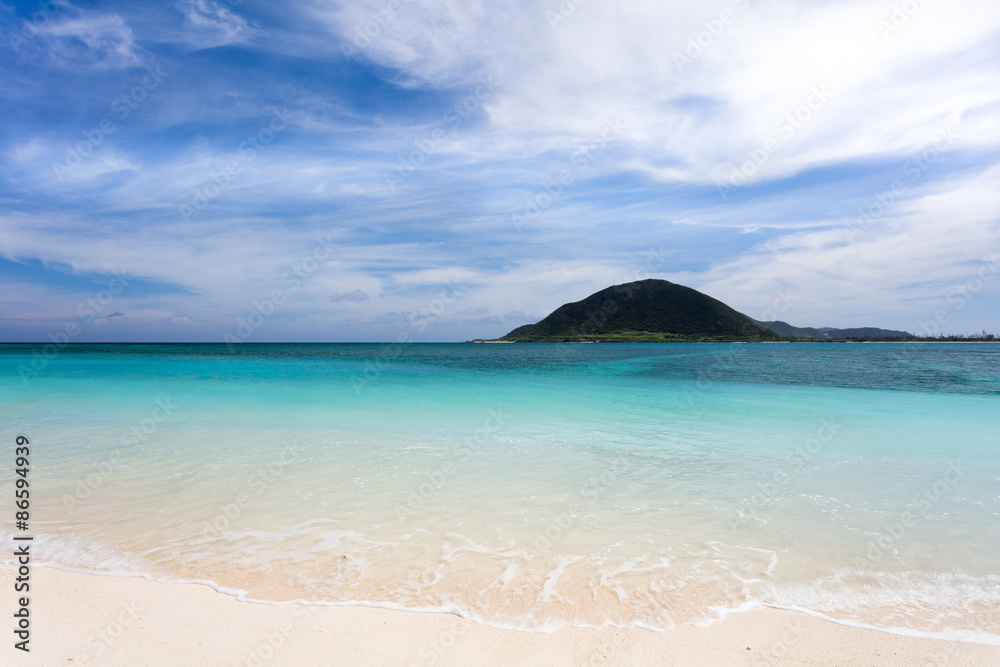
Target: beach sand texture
point(80, 619)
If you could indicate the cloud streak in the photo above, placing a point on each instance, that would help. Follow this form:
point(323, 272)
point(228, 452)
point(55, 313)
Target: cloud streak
point(755, 135)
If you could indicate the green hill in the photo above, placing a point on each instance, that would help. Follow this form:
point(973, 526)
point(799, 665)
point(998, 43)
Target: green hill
point(643, 311)
point(863, 333)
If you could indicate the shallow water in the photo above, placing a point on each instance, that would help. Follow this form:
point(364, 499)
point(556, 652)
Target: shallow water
point(529, 486)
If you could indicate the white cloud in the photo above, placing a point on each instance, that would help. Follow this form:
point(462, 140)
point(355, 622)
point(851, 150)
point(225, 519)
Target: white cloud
point(695, 120)
point(904, 262)
point(91, 40)
point(889, 96)
point(209, 24)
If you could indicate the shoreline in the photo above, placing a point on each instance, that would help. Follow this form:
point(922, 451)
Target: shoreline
point(478, 341)
point(93, 619)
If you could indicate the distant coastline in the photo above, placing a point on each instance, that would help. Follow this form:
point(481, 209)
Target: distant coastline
point(659, 311)
point(921, 341)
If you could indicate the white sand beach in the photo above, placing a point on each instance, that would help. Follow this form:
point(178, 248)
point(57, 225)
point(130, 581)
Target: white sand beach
point(83, 619)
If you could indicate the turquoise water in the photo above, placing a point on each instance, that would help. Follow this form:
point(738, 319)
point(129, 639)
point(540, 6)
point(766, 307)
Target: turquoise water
point(528, 486)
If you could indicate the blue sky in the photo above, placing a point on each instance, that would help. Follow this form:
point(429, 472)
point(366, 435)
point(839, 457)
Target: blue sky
point(436, 170)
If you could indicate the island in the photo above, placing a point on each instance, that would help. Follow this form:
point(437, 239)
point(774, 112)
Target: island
point(659, 311)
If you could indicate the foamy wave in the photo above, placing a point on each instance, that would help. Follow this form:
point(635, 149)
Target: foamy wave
point(954, 606)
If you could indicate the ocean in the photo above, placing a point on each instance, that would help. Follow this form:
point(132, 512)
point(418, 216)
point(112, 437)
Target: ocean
point(527, 486)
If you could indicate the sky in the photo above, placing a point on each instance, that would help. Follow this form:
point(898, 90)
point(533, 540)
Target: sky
point(442, 170)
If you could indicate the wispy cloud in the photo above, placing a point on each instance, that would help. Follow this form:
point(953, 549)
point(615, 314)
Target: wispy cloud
point(754, 137)
point(85, 39)
point(209, 24)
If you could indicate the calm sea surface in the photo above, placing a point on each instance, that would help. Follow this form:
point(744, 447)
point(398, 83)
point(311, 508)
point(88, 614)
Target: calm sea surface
point(527, 486)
